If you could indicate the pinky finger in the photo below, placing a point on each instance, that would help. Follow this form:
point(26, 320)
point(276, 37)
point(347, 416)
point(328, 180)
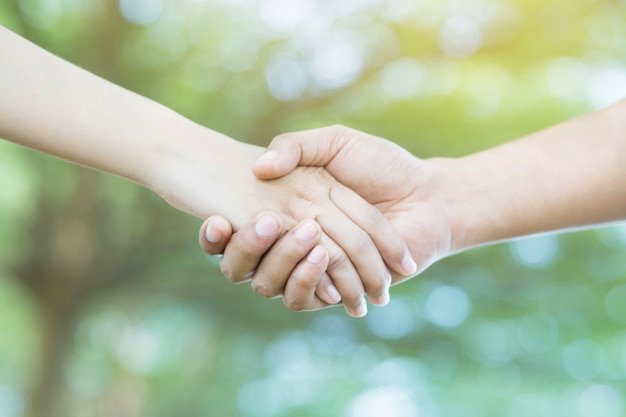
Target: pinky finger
point(299, 294)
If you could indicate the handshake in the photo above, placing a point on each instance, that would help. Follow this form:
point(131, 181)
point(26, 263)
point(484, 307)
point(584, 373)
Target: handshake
point(358, 212)
point(363, 213)
point(337, 214)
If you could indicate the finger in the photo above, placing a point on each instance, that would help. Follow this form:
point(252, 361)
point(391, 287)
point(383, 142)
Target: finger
point(345, 278)
point(215, 233)
point(391, 246)
point(300, 290)
point(279, 262)
point(315, 147)
point(246, 247)
point(362, 253)
point(326, 290)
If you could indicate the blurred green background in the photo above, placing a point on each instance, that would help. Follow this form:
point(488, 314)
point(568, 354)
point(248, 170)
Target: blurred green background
point(109, 308)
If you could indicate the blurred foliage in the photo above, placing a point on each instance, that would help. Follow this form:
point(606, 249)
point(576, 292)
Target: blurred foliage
point(108, 308)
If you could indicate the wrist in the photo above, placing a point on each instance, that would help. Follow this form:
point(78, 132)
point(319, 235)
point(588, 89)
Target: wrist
point(467, 204)
point(184, 157)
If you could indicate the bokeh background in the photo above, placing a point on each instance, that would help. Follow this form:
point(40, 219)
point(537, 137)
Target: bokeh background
point(109, 308)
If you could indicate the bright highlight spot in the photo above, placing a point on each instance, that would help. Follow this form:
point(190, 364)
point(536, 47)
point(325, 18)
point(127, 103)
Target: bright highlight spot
point(401, 372)
point(613, 236)
point(284, 14)
point(137, 349)
point(11, 401)
point(536, 251)
point(397, 10)
point(403, 78)
point(394, 321)
point(460, 36)
point(336, 64)
point(447, 306)
point(141, 12)
point(600, 401)
point(485, 91)
point(287, 78)
point(566, 78)
point(607, 86)
point(583, 359)
point(238, 53)
point(495, 342)
point(383, 401)
point(259, 399)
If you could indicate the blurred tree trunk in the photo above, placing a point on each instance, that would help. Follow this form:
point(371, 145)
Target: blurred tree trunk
point(56, 337)
point(57, 274)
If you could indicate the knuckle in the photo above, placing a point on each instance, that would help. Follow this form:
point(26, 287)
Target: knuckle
point(280, 138)
point(324, 178)
point(373, 216)
point(309, 280)
point(339, 128)
point(362, 243)
point(224, 268)
point(232, 276)
point(263, 288)
point(378, 286)
point(338, 261)
point(352, 299)
point(342, 131)
point(246, 251)
point(294, 303)
point(226, 271)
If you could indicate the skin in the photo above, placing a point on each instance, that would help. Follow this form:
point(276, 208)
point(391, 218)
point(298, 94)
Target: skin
point(52, 106)
point(569, 176)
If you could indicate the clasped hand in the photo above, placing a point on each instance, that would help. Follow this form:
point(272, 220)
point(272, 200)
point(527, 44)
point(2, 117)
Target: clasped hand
point(336, 241)
point(400, 187)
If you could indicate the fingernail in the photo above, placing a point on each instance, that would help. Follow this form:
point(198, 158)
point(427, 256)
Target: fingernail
point(383, 300)
point(269, 154)
point(361, 310)
point(316, 255)
point(333, 294)
point(408, 264)
point(212, 233)
point(266, 226)
point(306, 231)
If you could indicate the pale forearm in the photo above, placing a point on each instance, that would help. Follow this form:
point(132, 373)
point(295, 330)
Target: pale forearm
point(53, 106)
point(57, 108)
point(568, 176)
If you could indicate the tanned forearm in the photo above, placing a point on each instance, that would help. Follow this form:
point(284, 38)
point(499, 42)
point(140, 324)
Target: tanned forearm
point(568, 176)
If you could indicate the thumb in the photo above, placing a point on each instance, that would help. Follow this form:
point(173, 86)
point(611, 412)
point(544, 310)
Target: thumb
point(316, 147)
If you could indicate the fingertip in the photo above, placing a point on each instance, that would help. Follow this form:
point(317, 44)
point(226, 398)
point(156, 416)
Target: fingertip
point(307, 231)
point(359, 311)
point(280, 158)
point(333, 295)
point(326, 291)
point(211, 233)
point(409, 267)
point(268, 225)
point(381, 300)
point(215, 233)
point(265, 166)
point(317, 255)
